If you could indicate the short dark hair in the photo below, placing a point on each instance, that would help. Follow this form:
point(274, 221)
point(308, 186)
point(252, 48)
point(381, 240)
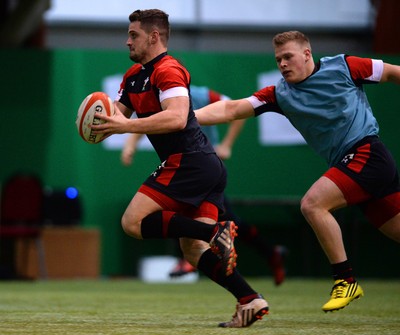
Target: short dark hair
point(152, 19)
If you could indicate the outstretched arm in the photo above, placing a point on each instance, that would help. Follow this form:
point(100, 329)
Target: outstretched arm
point(224, 111)
point(391, 73)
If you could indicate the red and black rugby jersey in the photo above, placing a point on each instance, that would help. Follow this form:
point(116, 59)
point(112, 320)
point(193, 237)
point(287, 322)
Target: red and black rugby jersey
point(140, 91)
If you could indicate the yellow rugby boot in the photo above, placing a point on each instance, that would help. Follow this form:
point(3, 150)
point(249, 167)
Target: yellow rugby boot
point(342, 294)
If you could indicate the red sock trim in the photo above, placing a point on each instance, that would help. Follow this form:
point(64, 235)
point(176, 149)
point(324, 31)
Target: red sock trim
point(248, 298)
point(350, 280)
point(166, 219)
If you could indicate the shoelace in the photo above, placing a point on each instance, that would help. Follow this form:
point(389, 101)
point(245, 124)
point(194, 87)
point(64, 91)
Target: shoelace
point(338, 290)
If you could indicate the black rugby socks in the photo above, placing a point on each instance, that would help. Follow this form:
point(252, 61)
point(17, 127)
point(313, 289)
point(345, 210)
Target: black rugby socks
point(344, 271)
point(211, 266)
point(167, 224)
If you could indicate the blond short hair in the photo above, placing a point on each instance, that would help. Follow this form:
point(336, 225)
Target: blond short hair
point(288, 36)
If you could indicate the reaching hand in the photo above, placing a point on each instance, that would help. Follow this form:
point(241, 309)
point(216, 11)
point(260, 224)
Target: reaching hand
point(127, 156)
point(129, 149)
point(223, 151)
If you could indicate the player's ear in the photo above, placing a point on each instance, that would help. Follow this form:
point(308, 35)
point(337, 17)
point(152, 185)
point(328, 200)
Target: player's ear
point(307, 54)
point(154, 36)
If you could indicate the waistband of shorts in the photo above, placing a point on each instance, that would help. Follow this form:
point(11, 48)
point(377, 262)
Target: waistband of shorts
point(366, 139)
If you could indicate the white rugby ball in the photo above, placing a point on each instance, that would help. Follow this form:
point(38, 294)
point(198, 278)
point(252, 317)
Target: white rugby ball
point(96, 102)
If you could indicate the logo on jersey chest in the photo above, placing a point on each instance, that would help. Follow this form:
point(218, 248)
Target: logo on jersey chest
point(138, 85)
point(145, 83)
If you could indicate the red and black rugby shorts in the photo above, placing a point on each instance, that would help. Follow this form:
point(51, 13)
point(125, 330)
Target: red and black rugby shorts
point(192, 184)
point(367, 175)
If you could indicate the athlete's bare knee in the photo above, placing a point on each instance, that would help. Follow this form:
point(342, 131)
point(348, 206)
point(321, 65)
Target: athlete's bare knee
point(131, 226)
point(307, 206)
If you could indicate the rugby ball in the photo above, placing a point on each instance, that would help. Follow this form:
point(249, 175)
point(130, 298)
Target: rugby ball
point(96, 102)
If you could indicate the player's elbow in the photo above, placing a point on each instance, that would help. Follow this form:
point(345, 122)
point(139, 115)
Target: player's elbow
point(231, 116)
point(239, 109)
point(232, 112)
point(180, 123)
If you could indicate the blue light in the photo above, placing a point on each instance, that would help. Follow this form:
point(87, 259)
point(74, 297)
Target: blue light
point(71, 193)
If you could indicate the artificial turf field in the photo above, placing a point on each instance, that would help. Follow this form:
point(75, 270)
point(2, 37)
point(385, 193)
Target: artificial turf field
point(134, 307)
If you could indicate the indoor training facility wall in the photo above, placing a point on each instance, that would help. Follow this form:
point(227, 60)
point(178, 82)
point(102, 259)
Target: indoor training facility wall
point(42, 91)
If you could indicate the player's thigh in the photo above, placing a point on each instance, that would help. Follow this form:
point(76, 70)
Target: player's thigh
point(323, 194)
point(392, 228)
point(139, 207)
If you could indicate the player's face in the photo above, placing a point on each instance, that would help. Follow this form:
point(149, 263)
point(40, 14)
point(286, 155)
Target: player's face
point(138, 43)
point(292, 59)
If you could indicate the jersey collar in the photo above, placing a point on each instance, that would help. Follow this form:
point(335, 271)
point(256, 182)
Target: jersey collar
point(154, 60)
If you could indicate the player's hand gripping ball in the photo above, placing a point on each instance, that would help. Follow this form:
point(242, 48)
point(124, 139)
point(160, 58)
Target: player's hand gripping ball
point(97, 102)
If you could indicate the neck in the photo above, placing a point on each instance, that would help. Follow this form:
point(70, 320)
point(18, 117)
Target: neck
point(311, 68)
point(153, 53)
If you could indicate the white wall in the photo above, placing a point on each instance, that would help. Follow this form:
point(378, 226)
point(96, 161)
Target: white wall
point(304, 13)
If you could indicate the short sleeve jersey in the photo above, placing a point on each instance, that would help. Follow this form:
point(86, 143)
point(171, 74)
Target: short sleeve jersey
point(329, 108)
point(144, 87)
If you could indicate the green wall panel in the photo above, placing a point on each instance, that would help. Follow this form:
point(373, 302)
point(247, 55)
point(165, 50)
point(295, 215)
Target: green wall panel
point(42, 91)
